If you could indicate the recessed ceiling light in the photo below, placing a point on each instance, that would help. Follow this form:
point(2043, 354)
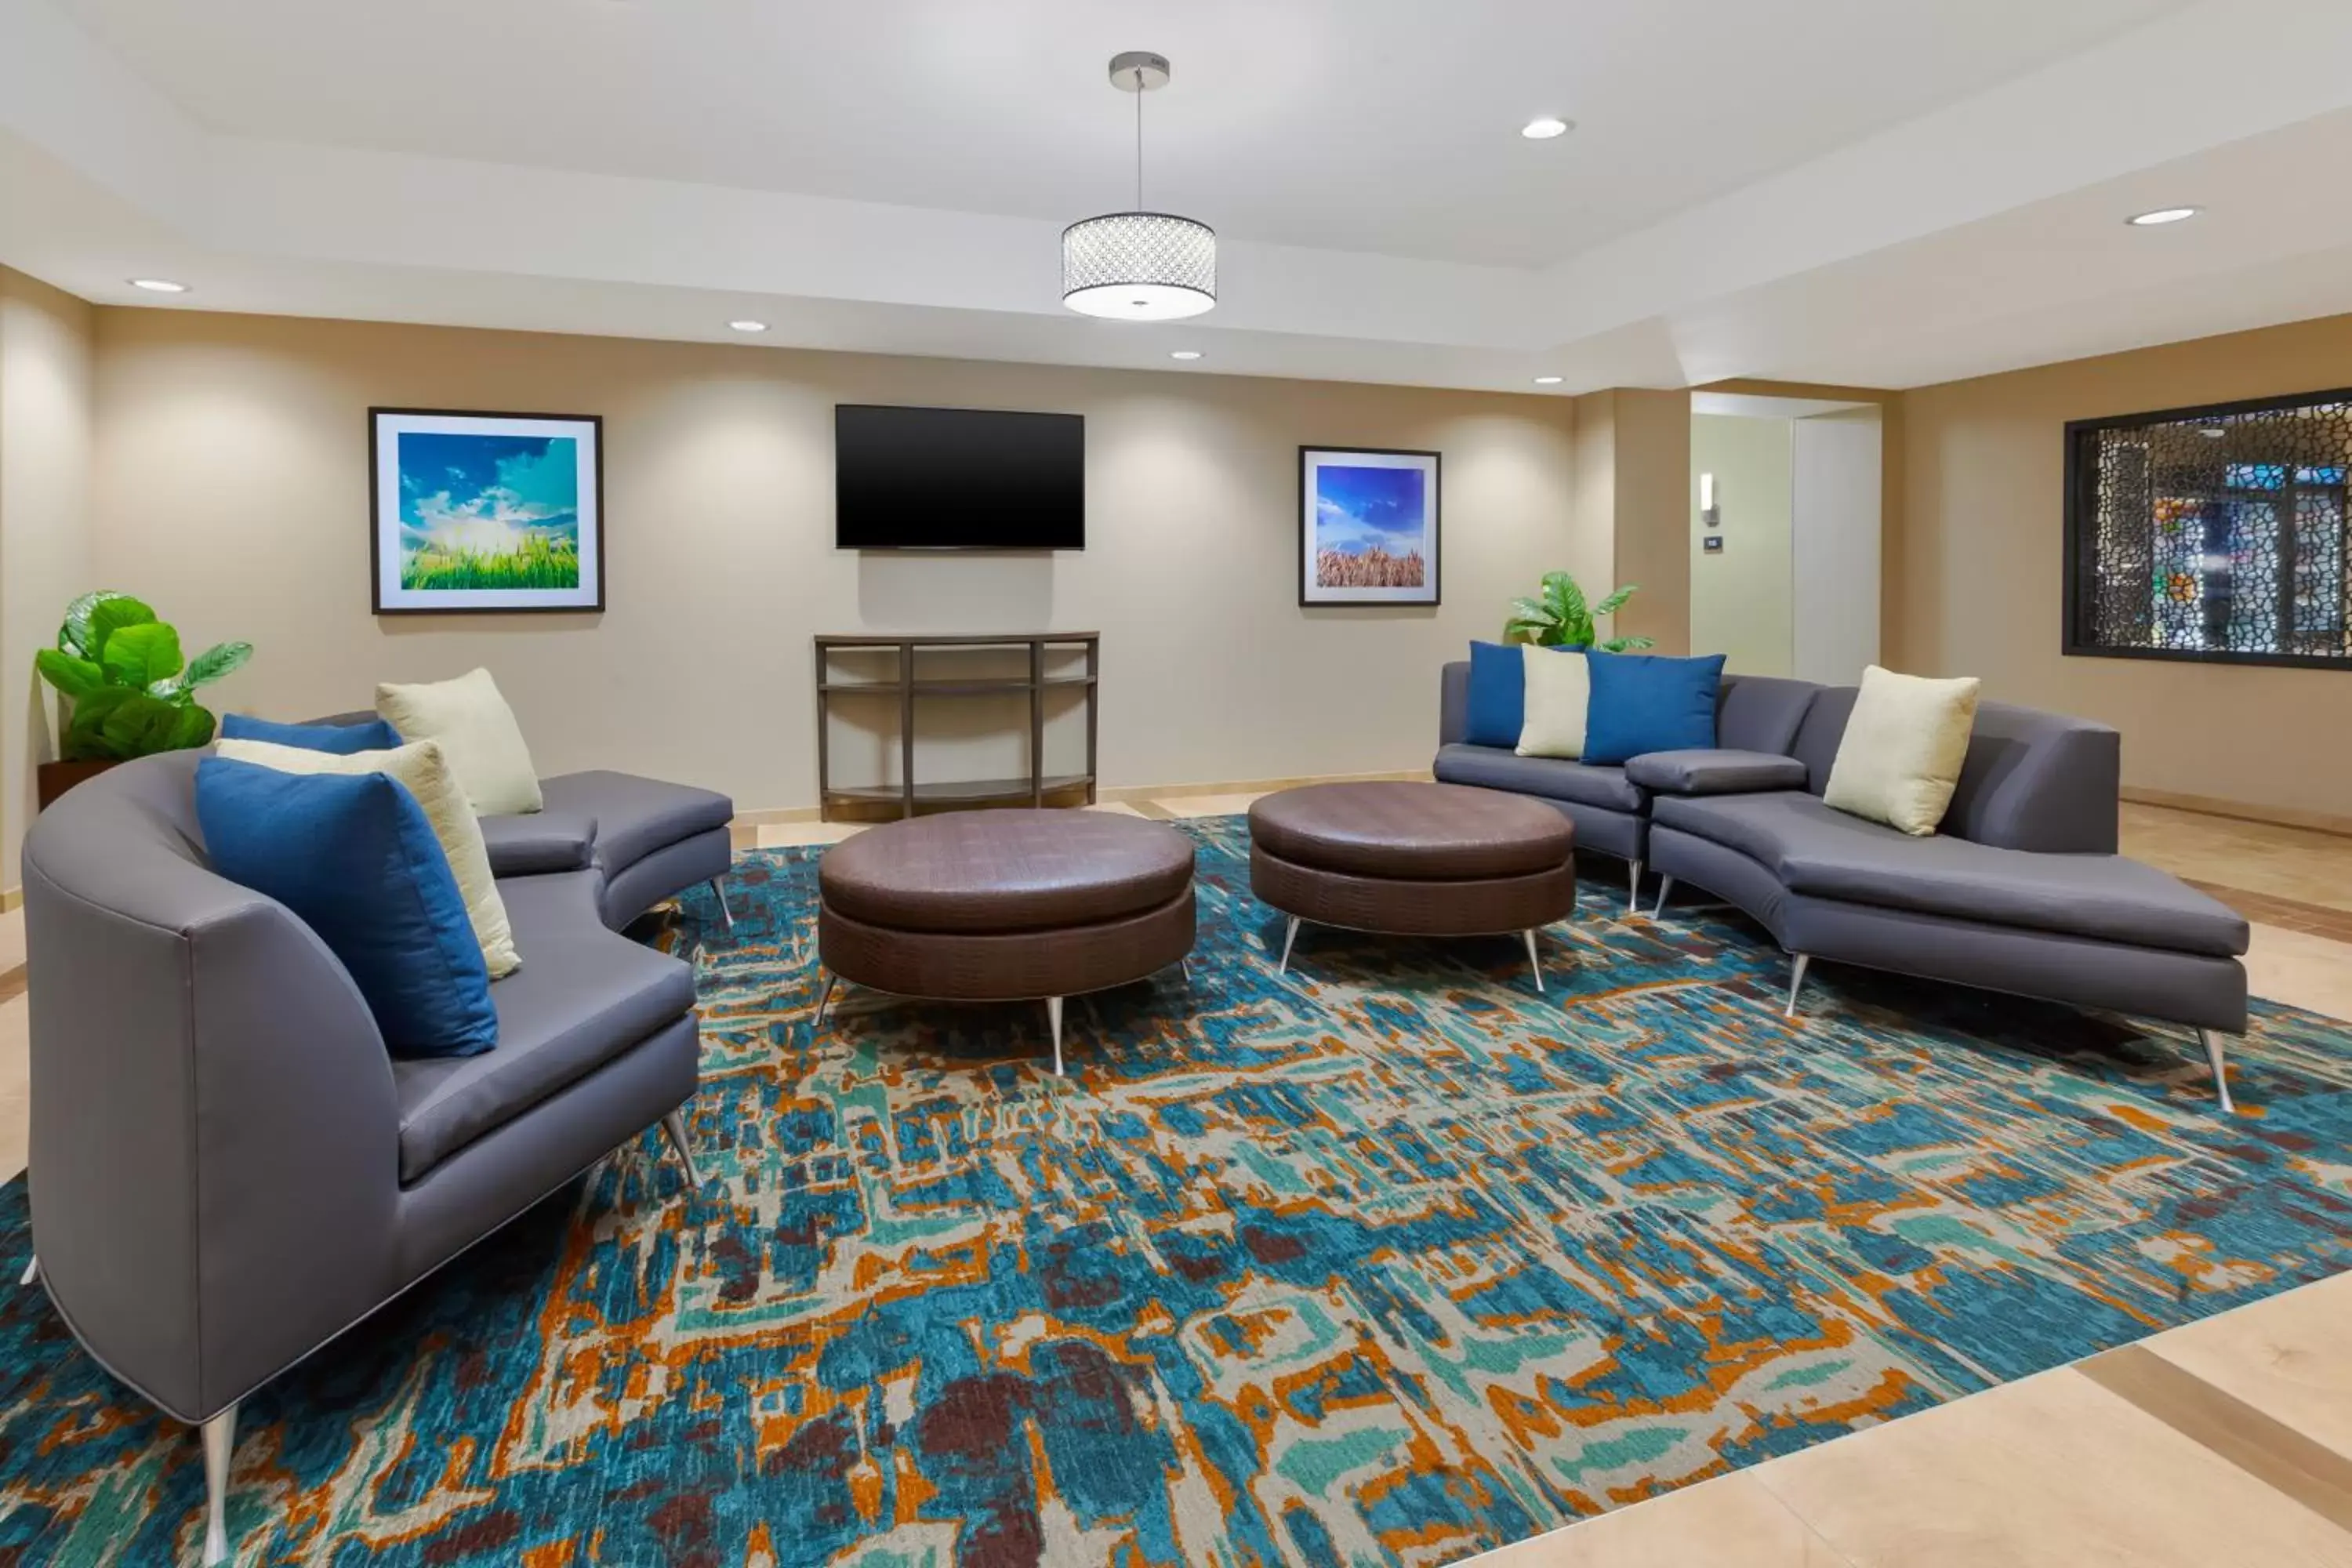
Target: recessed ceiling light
point(748, 326)
point(159, 285)
point(2163, 214)
point(1183, 353)
point(1549, 380)
point(1544, 127)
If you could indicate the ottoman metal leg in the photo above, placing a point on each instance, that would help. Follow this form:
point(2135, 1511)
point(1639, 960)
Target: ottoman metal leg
point(1054, 1021)
point(824, 999)
point(1534, 962)
point(1665, 890)
point(32, 1271)
point(724, 913)
point(1287, 938)
point(1634, 887)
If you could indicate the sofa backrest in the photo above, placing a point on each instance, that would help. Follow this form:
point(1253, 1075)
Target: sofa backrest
point(2032, 780)
point(208, 1087)
point(1453, 702)
point(1761, 712)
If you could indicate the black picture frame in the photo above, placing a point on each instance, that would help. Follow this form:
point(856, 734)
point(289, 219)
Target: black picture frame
point(2081, 524)
point(1435, 533)
point(592, 529)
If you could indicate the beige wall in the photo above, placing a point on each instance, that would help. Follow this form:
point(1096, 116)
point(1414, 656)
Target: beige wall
point(232, 489)
point(1633, 462)
point(1976, 582)
point(1741, 599)
point(45, 470)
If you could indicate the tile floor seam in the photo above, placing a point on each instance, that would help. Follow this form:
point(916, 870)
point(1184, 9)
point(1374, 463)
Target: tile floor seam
point(2287, 1461)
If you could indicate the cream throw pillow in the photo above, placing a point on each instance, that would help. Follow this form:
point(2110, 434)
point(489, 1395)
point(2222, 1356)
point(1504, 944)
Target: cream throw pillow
point(477, 734)
point(1901, 755)
point(1559, 690)
point(424, 773)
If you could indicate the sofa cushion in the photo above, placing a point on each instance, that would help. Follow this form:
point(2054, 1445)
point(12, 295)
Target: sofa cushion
point(1559, 693)
point(1650, 702)
point(354, 858)
point(426, 773)
point(539, 842)
point(1497, 693)
point(1903, 748)
point(1716, 772)
point(476, 728)
point(1551, 777)
point(373, 734)
point(1817, 850)
point(585, 997)
point(635, 817)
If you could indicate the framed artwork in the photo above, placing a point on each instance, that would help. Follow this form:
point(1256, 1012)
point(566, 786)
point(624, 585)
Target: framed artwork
point(1367, 526)
point(486, 512)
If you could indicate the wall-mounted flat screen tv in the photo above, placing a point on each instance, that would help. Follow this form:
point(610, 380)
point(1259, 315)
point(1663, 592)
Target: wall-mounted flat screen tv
point(958, 479)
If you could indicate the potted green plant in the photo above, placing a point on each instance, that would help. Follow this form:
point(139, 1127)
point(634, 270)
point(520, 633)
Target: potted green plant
point(1559, 616)
point(129, 692)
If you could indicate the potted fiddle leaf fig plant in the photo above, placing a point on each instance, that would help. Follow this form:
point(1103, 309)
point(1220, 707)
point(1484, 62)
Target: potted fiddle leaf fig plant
point(1559, 616)
point(129, 691)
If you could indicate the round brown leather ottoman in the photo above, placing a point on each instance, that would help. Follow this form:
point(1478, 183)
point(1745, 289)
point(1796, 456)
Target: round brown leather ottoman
point(1003, 906)
point(1412, 859)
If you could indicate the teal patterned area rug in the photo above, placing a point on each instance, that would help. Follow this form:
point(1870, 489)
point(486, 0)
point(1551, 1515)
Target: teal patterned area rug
point(1388, 1260)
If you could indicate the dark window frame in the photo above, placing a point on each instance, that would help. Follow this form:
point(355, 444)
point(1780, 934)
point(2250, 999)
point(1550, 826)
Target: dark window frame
point(2081, 527)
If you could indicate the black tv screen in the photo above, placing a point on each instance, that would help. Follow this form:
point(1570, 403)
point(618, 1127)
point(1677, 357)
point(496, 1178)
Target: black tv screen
point(958, 479)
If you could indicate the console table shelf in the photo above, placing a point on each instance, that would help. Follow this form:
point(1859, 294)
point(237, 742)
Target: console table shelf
point(911, 794)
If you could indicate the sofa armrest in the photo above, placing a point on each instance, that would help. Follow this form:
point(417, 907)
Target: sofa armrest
point(1716, 772)
point(1453, 702)
point(216, 1160)
point(536, 843)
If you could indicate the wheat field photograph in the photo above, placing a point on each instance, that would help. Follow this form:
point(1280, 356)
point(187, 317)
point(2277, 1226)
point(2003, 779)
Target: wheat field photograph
point(1370, 526)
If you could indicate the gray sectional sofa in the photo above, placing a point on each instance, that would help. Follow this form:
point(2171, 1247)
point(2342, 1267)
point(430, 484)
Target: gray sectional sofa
point(2020, 890)
point(228, 1169)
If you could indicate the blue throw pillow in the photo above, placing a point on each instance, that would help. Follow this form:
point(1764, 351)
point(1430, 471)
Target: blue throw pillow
point(1498, 695)
point(375, 735)
point(353, 857)
point(1650, 702)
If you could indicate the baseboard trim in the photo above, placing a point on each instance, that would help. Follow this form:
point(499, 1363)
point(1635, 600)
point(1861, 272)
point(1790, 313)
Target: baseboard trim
point(2242, 811)
point(780, 814)
point(12, 898)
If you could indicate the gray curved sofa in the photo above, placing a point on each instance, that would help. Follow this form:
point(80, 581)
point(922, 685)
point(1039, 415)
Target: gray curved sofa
point(2020, 889)
point(228, 1169)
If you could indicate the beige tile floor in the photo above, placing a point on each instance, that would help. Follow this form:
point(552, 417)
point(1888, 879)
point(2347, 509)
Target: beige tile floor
point(2225, 1443)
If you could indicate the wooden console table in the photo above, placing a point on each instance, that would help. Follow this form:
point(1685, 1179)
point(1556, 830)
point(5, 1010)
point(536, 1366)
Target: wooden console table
point(910, 795)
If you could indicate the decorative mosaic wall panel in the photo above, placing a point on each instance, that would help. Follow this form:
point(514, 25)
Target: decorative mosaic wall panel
point(2212, 533)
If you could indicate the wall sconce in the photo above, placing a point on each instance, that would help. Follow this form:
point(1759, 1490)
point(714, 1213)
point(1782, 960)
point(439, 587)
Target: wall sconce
point(1709, 514)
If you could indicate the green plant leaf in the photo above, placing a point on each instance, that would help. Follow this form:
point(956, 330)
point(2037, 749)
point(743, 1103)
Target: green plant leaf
point(141, 725)
point(1614, 601)
point(192, 727)
point(76, 635)
point(1627, 644)
point(86, 739)
point(74, 675)
point(98, 617)
point(220, 659)
point(141, 654)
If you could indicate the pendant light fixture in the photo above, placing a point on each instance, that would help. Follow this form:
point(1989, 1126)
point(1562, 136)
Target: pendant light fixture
point(1139, 266)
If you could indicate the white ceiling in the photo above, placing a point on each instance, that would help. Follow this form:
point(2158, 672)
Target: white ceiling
point(1865, 192)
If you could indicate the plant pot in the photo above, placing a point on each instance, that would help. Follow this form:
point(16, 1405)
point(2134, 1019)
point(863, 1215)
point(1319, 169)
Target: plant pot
point(51, 780)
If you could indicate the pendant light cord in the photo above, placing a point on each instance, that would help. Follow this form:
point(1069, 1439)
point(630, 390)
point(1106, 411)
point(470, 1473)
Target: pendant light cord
point(1139, 137)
